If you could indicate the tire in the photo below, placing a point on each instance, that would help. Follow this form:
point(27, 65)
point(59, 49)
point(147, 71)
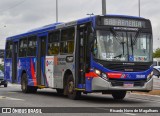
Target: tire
point(60, 91)
point(24, 85)
point(5, 85)
point(119, 95)
point(70, 89)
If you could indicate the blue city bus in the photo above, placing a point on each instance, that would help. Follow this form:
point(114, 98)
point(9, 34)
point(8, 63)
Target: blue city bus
point(111, 54)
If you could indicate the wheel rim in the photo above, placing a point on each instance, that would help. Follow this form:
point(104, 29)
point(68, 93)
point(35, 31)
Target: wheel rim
point(70, 87)
point(23, 85)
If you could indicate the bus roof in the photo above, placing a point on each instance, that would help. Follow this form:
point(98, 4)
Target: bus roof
point(60, 24)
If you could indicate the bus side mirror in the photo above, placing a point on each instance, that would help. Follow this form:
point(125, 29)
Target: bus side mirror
point(92, 37)
point(156, 72)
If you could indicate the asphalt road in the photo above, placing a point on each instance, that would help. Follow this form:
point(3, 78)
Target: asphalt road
point(13, 97)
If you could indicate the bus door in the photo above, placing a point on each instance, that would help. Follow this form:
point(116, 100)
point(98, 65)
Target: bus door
point(14, 62)
point(81, 55)
point(41, 77)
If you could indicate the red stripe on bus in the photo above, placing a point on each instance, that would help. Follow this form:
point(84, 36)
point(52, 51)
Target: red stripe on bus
point(91, 74)
point(33, 74)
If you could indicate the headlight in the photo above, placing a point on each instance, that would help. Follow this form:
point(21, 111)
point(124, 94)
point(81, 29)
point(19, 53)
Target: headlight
point(104, 75)
point(101, 74)
point(98, 72)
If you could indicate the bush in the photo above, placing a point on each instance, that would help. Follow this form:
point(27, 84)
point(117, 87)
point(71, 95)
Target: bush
point(1, 67)
point(156, 54)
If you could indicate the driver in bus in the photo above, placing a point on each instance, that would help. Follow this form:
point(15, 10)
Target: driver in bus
point(109, 48)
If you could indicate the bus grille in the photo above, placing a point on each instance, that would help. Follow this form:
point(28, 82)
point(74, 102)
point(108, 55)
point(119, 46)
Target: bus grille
point(134, 68)
point(121, 83)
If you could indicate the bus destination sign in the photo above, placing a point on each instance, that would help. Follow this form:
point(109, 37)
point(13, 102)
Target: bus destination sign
point(124, 22)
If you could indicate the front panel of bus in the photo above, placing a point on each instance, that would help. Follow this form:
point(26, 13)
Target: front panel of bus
point(121, 57)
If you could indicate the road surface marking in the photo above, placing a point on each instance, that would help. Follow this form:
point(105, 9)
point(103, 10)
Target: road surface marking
point(10, 98)
point(12, 92)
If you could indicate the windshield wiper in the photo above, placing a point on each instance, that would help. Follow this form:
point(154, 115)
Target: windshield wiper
point(136, 37)
point(118, 56)
point(115, 35)
point(131, 43)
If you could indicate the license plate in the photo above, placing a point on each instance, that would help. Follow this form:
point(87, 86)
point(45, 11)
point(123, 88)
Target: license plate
point(128, 84)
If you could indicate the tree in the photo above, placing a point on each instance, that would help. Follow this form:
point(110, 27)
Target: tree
point(1, 67)
point(156, 54)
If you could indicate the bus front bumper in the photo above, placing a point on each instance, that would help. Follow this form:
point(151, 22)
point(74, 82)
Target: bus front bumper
point(99, 84)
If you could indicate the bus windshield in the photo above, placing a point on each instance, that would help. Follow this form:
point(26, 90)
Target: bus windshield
point(124, 46)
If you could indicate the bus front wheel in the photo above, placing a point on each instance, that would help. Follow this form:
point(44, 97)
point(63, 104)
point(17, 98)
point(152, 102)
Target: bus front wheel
point(119, 95)
point(70, 89)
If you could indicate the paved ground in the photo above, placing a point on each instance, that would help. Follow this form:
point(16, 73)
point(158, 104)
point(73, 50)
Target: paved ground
point(13, 97)
point(156, 84)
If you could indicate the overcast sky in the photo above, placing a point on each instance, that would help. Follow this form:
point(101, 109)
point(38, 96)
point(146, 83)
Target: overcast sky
point(18, 16)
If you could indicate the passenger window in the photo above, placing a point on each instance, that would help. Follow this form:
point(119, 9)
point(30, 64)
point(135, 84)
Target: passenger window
point(67, 41)
point(32, 46)
point(53, 43)
point(9, 47)
point(23, 47)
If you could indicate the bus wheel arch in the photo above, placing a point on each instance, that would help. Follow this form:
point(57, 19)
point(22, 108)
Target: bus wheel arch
point(66, 74)
point(69, 86)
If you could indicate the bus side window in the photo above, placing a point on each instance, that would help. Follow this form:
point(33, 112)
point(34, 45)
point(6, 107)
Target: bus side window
point(9, 47)
point(67, 41)
point(70, 47)
point(53, 43)
point(23, 47)
point(53, 48)
point(32, 46)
